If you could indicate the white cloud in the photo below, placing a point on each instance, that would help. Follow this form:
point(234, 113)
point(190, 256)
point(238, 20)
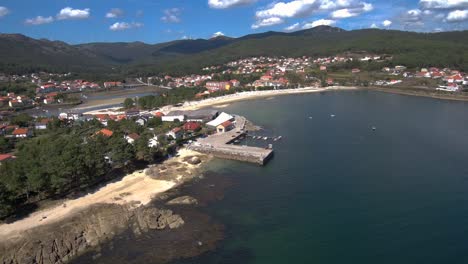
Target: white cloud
point(290, 9)
point(457, 16)
point(221, 4)
point(70, 13)
point(292, 27)
point(115, 13)
point(271, 21)
point(39, 20)
point(411, 16)
point(217, 34)
point(4, 11)
point(171, 15)
point(119, 26)
point(387, 23)
point(374, 25)
point(443, 4)
point(352, 12)
point(301, 8)
point(320, 22)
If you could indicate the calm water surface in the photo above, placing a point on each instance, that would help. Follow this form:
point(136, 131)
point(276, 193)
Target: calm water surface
point(339, 192)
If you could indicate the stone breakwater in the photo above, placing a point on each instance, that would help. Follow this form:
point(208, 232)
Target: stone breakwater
point(241, 153)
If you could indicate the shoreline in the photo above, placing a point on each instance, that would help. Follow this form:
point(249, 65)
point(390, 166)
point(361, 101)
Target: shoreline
point(251, 95)
point(134, 190)
point(420, 92)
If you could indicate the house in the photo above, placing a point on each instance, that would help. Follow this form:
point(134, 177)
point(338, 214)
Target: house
point(132, 113)
point(235, 83)
point(5, 157)
point(323, 68)
point(173, 116)
point(22, 133)
point(159, 114)
point(131, 138)
point(142, 121)
point(105, 132)
point(153, 142)
point(192, 126)
point(223, 117)
point(355, 70)
point(41, 125)
point(224, 127)
point(175, 133)
point(202, 115)
point(112, 84)
point(217, 86)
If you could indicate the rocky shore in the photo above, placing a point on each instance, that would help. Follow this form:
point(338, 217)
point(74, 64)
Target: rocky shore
point(89, 228)
point(118, 208)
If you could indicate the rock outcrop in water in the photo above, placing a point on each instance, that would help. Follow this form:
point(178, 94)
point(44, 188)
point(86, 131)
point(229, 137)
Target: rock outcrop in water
point(183, 200)
point(59, 242)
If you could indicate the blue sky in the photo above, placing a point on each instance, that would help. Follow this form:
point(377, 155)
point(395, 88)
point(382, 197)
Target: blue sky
point(153, 21)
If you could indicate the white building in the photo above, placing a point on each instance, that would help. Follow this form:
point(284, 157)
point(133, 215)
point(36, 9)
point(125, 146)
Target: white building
point(173, 116)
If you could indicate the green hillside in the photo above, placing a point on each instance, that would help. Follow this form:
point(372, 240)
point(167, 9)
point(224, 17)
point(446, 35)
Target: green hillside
point(19, 53)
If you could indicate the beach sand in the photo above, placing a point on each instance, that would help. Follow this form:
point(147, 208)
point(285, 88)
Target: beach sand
point(223, 101)
point(135, 189)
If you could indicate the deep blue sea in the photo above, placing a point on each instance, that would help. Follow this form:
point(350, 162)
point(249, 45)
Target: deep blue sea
point(338, 191)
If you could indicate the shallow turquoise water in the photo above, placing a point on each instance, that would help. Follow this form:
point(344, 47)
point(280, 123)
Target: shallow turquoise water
point(338, 192)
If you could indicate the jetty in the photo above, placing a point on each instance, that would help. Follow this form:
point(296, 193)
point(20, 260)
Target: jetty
point(219, 145)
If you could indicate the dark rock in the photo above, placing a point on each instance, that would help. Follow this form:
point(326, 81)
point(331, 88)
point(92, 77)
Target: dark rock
point(194, 160)
point(60, 242)
point(183, 200)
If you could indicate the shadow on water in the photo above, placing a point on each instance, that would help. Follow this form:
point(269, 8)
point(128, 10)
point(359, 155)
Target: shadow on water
point(200, 233)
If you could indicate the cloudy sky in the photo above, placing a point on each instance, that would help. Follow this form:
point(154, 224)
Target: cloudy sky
point(152, 21)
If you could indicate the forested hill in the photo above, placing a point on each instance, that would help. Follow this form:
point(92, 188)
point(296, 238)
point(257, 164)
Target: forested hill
point(19, 53)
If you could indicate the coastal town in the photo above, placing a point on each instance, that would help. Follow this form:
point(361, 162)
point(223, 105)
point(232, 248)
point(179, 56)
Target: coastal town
point(42, 114)
point(244, 75)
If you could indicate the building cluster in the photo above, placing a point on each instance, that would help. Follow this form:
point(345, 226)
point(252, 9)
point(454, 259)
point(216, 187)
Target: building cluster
point(186, 81)
point(15, 101)
point(448, 79)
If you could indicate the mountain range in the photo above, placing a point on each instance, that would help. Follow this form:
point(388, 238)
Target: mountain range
point(19, 53)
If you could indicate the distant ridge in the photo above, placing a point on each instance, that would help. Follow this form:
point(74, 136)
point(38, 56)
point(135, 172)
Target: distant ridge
point(19, 53)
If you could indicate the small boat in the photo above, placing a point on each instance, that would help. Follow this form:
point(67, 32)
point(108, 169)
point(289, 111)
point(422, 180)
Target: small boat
point(280, 137)
point(265, 138)
point(332, 115)
point(374, 128)
point(310, 117)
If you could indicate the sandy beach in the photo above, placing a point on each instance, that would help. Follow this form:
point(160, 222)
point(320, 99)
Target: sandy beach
point(219, 102)
point(250, 95)
point(135, 189)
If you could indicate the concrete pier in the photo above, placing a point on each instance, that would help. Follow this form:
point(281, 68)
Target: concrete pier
point(241, 153)
point(218, 146)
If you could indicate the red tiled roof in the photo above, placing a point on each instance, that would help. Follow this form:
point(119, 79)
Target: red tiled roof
point(105, 132)
point(5, 157)
point(192, 126)
point(226, 123)
point(20, 131)
point(134, 136)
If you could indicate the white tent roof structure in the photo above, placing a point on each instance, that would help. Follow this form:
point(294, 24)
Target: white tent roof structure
point(223, 117)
